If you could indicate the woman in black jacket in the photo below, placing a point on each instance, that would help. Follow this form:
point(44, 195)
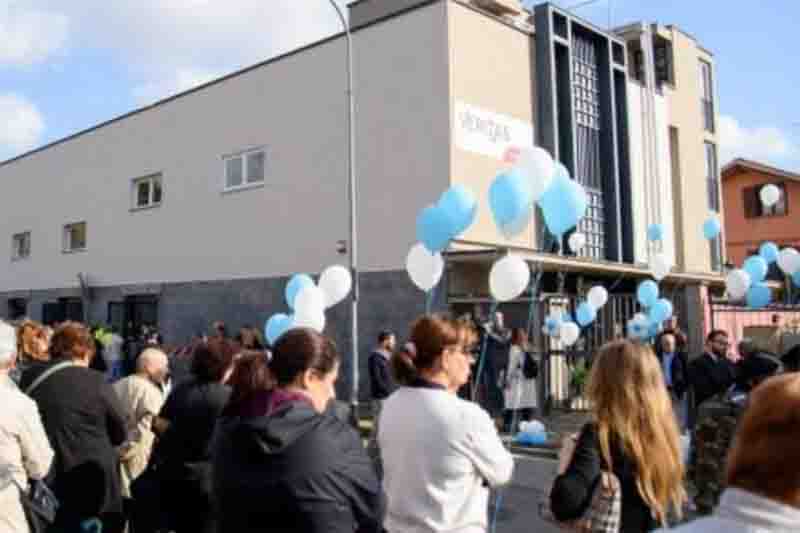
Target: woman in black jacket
point(183, 455)
point(84, 421)
point(283, 461)
point(634, 434)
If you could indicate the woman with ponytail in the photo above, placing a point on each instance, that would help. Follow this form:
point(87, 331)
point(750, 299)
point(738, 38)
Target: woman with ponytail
point(440, 453)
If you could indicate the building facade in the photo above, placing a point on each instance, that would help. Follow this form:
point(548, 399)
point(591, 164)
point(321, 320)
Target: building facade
point(199, 207)
point(748, 223)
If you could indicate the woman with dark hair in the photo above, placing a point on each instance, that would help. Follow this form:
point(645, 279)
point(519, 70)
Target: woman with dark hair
point(187, 422)
point(283, 461)
point(440, 453)
point(85, 421)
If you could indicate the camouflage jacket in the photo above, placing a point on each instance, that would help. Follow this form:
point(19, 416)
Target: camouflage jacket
point(711, 440)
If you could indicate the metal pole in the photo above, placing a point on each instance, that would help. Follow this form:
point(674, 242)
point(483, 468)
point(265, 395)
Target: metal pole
point(351, 156)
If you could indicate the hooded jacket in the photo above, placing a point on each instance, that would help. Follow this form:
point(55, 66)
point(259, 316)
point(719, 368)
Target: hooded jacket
point(293, 470)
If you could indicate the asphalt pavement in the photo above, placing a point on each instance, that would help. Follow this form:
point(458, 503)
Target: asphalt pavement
point(519, 501)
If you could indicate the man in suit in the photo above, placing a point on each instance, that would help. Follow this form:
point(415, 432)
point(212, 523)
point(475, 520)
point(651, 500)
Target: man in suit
point(674, 365)
point(715, 371)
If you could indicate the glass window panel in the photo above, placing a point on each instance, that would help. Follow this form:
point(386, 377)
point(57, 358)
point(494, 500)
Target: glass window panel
point(255, 167)
point(143, 193)
point(157, 192)
point(233, 172)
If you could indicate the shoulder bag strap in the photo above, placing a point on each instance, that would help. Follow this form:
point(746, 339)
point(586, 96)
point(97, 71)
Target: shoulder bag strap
point(46, 374)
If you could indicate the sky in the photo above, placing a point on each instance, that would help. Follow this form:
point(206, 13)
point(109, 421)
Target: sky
point(66, 65)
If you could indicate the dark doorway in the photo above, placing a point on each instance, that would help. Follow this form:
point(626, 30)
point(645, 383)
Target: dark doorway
point(17, 308)
point(62, 310)
point(130, 315)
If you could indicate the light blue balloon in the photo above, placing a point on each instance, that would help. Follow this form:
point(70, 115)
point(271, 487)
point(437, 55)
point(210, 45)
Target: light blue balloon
point(758, 295)
point(460, 205)
point(585, 314)
point(769, 251)
point(552, 325)
point(757, 267)
point(655, 232)
point(563, 203)
point(434, 228)
point(637, 330)
point(660, 311)
point(796, 278)
point(277, 325)
point(711, 228)
point(510, 199)
point(297, 283)
point(647, 293)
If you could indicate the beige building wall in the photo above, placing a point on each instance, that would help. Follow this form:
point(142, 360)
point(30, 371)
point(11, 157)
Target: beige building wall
point(690, 184)
point(491, 68)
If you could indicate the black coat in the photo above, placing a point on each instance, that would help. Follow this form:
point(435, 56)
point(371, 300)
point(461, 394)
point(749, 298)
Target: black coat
point(572, 491)
point(710, 377)
point(380, 376)
point(679, 372)
point(294, 471)
point(84, 421)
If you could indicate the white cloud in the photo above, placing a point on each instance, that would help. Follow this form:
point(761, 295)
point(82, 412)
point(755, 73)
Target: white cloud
point(29, 35)
point(21, 124)
point(182, 80)
point(164, 43)
point(762, 143)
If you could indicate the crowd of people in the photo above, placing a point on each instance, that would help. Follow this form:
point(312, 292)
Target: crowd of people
point(248, 439)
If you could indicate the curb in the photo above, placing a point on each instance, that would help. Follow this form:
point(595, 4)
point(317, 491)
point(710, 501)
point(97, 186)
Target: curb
point(539, 453)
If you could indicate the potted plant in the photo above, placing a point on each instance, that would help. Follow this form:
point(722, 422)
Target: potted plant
point(578, 377)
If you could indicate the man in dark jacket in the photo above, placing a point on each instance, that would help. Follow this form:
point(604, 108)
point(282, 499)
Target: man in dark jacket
point(674, 365)
point(498, 344)
point(379, 370)
point(713, 372)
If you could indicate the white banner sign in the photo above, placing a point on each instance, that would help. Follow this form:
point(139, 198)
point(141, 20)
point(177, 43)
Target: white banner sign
point(487, 133)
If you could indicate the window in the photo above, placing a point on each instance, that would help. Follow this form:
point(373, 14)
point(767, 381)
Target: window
point(147, 191)
point(707, 96)
point(712, 181)
point(75, 237)
point(21, 246)
point(245, 169)
point(753, 207)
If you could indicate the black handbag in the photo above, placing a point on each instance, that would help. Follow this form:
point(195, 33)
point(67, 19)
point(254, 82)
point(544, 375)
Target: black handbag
point(40, 505)
point(530, 367)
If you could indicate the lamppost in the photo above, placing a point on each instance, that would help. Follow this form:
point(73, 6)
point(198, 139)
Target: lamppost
point(352, 218)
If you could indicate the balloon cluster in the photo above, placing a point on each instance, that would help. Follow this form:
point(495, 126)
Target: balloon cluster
point(308, 301)
point(537, 179)
point(560, 325)
point(660, 263)
point(531, 433)
point(748, 282)
point(647, 325)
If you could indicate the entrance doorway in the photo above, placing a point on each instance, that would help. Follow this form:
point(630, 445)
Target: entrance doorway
point(17, 308)
point(133, 314)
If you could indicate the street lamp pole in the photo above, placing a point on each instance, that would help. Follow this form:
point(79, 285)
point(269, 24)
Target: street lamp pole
point(353, 248)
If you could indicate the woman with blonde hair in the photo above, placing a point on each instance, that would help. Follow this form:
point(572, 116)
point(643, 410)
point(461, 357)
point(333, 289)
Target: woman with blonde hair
point(633, 435)
point(33, 344)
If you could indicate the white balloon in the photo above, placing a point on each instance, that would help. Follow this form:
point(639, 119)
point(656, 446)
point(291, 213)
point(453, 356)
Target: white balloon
point(424, 268)
point(310, 302)
point(335, 283)
point(770, 194)
point(537, 164)
point(569, 333)
point(508, 278)
point(597, 297)
point(641, 318)
point(789, 261)
point(576, 241)
point(315, 321)
point(737, 283)
point(660, 265)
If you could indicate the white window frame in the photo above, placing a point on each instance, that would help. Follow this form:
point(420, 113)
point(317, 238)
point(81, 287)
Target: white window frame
point(66, 236)
point(152, 178)
point(15, 255)
point(245, 184)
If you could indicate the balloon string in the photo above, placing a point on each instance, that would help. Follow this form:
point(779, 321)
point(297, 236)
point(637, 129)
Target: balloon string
point(429, 299)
